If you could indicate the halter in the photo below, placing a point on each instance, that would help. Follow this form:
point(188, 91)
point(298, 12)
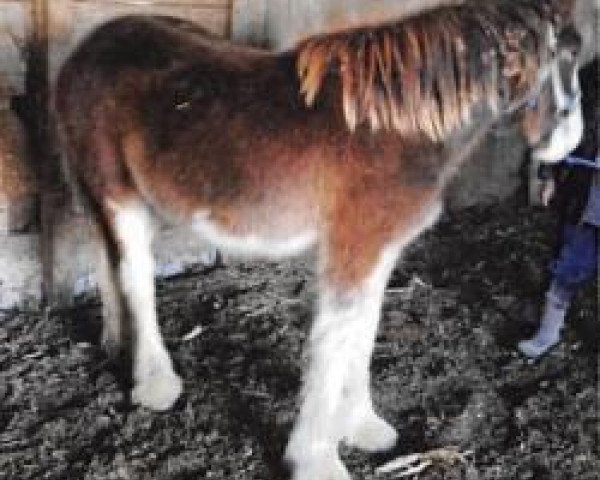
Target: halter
point(532, 101)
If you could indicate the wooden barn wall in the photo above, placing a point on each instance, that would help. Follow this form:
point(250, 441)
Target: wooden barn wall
point(281, 23)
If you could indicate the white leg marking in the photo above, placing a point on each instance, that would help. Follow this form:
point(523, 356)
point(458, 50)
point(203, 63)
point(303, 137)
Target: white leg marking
point(312, 449)
point(364, 428)
point(112, 314)
point(336, 400)
point(156, 384)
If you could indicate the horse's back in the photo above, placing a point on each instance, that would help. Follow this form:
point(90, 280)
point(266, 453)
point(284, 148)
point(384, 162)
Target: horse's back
point(156, 42)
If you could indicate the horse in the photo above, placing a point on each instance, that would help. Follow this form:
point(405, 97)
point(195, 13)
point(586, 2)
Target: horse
point(343, 144)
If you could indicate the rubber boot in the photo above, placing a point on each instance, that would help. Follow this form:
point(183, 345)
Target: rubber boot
point(548, 333)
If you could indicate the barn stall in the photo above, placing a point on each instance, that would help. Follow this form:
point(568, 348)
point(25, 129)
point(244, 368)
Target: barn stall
point(445, 369)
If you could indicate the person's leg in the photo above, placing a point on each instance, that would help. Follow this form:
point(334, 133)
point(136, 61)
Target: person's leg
point(575, 264)
point(551, 323)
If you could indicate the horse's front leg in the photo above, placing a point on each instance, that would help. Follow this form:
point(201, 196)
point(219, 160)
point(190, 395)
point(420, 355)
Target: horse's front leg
point(336, 401)
point(364, 428)
point(313, 447)
point(156, 385)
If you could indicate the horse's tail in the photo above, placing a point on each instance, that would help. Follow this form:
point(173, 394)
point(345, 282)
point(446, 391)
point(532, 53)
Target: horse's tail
point(68, 111)
point(60, 110)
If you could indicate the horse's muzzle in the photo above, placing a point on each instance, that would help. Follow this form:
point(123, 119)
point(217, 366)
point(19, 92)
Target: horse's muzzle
point(565, 135)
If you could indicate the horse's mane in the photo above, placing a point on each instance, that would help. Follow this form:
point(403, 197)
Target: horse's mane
point(428, 72)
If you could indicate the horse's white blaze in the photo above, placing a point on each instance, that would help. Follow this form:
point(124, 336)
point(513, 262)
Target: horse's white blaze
point(336, 399)
point(156, 384)
point(252, 245)
point(552, 38)
point(563, 140)
point(567, 134)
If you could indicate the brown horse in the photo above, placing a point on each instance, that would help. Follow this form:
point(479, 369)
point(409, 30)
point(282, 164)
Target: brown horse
point(344, 143)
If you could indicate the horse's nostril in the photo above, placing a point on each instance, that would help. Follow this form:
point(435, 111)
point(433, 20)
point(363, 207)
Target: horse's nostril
point(564, 113)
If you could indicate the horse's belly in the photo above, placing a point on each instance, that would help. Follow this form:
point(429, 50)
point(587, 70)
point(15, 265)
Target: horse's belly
point(258, 242)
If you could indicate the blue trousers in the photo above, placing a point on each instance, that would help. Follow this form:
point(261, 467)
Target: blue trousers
point(577, 260)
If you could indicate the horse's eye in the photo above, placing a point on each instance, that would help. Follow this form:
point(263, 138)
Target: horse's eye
point(564, 113)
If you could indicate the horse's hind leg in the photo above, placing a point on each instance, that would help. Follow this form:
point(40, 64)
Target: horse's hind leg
point(115, 328)
point(130, 289)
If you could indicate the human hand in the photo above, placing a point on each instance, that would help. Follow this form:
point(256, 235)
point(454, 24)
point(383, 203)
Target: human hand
point(547, 189)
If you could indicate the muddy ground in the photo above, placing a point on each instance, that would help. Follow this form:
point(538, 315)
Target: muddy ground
point(445, 370)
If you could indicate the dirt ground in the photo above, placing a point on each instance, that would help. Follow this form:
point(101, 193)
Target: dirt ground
point(445, 370)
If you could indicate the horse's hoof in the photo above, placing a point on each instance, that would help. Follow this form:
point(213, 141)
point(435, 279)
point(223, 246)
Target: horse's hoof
point(311, 459)
point(158, 392)
point(372, 434)
point(326, 467)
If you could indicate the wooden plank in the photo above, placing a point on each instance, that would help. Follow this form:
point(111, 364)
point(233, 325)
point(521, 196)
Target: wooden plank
point(173, 3)
point(38, 97)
